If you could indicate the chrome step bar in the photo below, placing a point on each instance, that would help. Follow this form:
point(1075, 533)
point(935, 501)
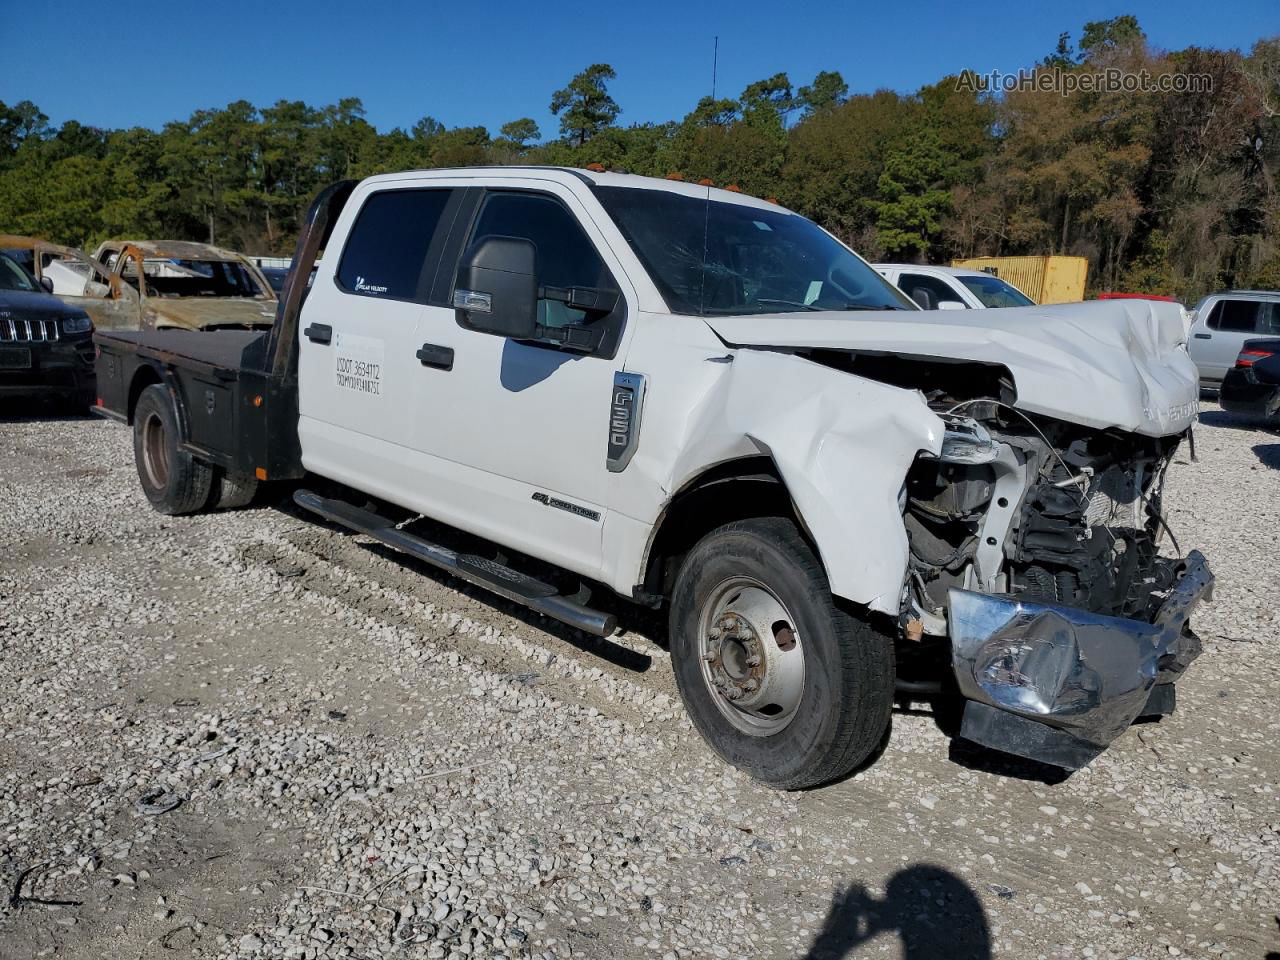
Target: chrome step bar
point(492, 576)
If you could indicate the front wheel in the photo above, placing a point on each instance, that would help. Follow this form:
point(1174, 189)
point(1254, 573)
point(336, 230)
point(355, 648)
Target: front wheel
point(781, 682)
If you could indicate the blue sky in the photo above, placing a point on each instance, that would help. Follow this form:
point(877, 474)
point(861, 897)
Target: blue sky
point(485, 63)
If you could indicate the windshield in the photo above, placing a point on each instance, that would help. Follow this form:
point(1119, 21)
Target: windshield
point(994, 292)
point(13, 277)
point(195, 278)
point(757, 261)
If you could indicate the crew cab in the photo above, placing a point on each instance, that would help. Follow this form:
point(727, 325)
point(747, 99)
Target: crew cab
point(706, 404)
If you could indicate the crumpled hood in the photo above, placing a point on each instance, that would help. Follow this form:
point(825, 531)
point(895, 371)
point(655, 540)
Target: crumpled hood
point(203, 313)
point(1117, 363)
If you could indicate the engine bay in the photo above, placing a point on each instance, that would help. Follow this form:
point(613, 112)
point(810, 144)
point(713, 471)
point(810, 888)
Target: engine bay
point(1037, 510)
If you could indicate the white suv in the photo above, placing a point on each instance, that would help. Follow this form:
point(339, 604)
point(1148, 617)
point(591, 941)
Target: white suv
point(952, 288)
point(1222, 322)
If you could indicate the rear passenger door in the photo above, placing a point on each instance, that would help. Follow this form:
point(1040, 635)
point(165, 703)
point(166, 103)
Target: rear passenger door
point(357, 372)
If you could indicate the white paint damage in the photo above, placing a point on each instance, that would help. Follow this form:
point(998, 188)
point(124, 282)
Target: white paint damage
point(844, 444)
point(1116, 363)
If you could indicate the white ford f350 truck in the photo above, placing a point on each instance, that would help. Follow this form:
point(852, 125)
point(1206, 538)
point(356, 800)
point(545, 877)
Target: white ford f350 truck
point(707, 404)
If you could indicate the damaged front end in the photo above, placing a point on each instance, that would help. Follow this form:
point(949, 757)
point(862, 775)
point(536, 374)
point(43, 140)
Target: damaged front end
point(1035, 549)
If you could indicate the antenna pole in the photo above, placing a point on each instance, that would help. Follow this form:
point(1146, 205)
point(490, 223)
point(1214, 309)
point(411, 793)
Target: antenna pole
point(706, 209)
point(715, 62)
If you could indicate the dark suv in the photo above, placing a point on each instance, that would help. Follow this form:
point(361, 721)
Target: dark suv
point(46, 347)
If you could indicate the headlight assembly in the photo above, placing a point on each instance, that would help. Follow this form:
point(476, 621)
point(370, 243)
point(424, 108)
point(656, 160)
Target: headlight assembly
point(80, 324)
point(966, 441)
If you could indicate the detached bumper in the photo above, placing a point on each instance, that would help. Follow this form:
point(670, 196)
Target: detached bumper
point(1057, 684)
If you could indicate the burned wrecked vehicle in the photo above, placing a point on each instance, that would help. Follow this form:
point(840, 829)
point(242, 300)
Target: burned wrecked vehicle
point(78, 280)
point(193, 286)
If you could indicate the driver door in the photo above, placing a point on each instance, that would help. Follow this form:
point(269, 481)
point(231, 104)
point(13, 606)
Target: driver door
point(517, 431)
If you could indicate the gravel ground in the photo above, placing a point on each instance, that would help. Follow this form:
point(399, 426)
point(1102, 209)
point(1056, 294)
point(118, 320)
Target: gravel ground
point(246, 735)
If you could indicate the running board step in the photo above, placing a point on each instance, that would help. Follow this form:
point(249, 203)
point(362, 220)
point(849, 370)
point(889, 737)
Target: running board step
point(489, 574)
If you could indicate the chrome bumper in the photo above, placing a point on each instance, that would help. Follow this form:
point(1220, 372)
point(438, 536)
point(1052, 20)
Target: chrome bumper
point(1087, 677)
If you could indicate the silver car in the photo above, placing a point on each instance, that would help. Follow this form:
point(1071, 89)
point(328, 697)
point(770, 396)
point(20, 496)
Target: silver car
point(1222, 322)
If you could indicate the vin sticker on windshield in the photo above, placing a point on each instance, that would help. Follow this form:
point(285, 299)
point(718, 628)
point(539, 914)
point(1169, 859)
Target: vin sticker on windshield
point(357, 363)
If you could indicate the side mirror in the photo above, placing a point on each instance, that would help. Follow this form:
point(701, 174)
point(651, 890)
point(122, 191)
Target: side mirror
point(47, 284)
point(497, 288)
point(925, 297)
point(951, 305)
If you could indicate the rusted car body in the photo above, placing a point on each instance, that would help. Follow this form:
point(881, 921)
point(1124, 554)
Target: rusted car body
point(194, 286)
point(78, 280)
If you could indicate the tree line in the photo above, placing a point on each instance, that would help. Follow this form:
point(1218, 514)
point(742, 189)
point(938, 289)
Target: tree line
point(1169, 192)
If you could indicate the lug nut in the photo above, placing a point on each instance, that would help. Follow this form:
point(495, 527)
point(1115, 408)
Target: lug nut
point(753, 661)
point(714, 633)
point(709, 657)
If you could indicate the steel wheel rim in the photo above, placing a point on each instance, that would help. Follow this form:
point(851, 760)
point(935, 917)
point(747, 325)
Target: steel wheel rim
point(155, 451)
point(750, 656)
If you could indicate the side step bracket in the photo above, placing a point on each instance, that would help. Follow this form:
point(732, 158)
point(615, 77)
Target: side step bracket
point(489, 574)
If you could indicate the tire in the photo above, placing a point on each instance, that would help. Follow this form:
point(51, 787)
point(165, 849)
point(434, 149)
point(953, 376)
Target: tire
point(175, 482)
point(235, 491)
point(793, 730)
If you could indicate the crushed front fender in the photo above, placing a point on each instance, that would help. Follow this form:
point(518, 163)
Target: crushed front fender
point(1066, 682)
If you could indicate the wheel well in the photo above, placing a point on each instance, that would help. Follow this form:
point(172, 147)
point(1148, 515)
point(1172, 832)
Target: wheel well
point(737, 490)
point(145, 376)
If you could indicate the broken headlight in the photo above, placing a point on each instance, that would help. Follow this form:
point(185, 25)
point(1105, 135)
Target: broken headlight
point(965, 440)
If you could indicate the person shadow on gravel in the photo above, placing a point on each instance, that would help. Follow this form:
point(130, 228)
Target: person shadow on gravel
point(935, 913)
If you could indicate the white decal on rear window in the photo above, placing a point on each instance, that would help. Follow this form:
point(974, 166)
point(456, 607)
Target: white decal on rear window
point(362, 287)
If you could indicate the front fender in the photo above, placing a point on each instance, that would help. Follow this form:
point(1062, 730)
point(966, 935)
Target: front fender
point(843, 445)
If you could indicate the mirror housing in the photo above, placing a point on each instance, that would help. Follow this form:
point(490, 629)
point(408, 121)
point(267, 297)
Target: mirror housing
point(951, 305)
point(497, 288)
point(46, 284)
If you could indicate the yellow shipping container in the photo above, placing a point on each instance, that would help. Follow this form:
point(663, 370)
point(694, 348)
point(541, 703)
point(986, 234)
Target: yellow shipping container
point(1043, 279)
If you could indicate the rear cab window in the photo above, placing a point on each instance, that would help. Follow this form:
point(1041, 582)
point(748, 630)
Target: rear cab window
point(389, 252)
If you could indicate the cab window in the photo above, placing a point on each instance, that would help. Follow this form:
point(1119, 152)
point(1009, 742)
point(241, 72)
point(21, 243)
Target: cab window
point(564, 254)
point(386, 255)
point(1245, 316)
point(909, 283)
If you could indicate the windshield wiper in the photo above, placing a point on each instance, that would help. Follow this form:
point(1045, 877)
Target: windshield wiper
point(789, 303)
point(814, 306)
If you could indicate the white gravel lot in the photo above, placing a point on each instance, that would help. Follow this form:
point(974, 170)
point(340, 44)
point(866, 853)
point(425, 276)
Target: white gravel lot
point(369, 760)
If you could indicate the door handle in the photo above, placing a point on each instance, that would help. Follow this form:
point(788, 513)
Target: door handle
point(319, 333)
point(434, 355)
point(1204, 336)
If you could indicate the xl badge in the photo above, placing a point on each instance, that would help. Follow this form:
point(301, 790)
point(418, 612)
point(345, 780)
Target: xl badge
point(624, 419)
